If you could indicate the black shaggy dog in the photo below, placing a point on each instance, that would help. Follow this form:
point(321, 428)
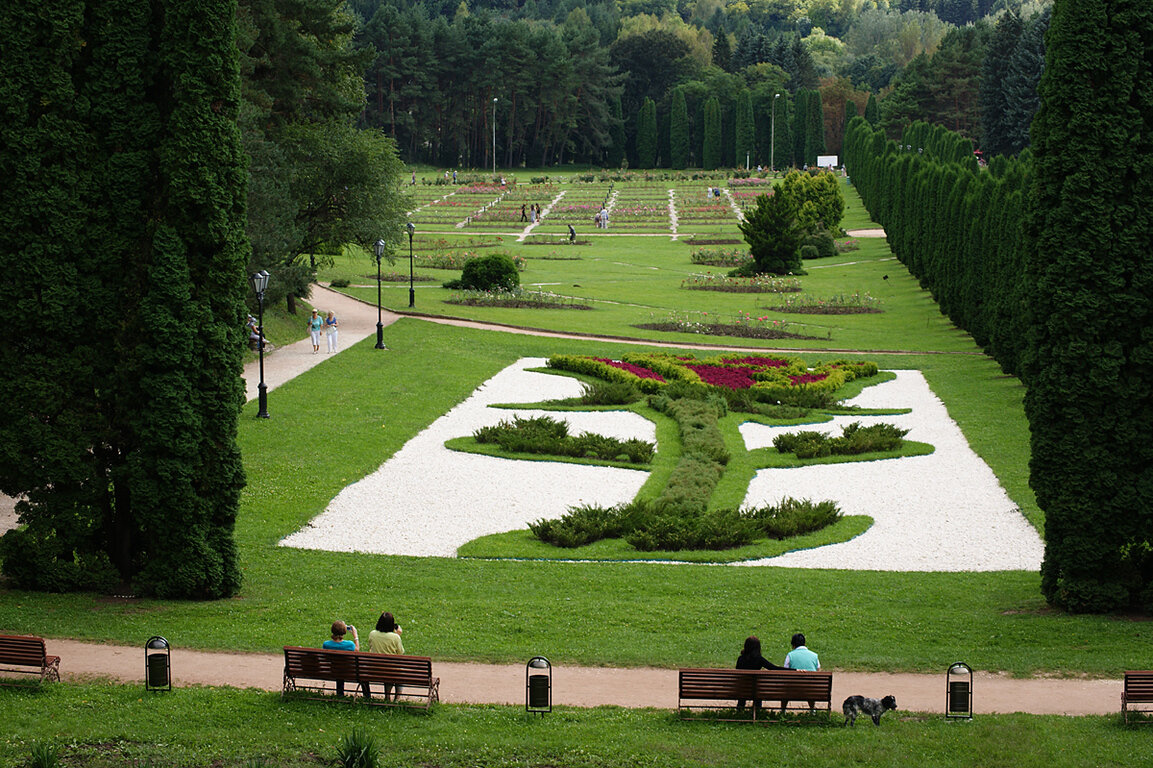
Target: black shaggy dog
point(856, 705)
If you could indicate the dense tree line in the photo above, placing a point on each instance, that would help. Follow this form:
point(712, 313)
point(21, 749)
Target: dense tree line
point(123, 252)
point(1045, 260)
point(557, 69)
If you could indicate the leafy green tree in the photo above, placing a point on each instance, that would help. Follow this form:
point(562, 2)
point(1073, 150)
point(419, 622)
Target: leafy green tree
point(315, 183)
point(773, 234)
point(1089, 371)
point(679, 131)
point(647, 135)
point(817, 200)
point(872, 111)
point(711, 150)
point(124, 254)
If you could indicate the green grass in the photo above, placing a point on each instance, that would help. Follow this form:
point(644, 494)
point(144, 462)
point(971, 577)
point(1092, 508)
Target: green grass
point(100, 726)
point(338, 422)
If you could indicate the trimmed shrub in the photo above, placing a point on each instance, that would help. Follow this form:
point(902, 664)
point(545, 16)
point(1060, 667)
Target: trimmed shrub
point(793, 517)
point(610, 393)
point(488, 273)
point(854, 440)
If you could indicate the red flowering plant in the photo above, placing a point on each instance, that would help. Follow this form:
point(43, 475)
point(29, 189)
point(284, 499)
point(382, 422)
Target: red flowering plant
point(784, 380)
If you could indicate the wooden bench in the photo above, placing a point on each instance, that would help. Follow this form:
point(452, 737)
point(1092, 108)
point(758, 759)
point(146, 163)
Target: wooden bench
point(410, 677)
point(1138, 690)
point(720, 689)
point(26, 654)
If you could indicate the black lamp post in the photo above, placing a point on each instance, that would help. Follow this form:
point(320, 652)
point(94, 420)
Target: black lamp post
point(259, 283)
point(411, 292)
point(378, 249)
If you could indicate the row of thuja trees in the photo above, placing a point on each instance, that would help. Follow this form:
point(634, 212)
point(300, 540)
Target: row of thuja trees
point(1048, 261)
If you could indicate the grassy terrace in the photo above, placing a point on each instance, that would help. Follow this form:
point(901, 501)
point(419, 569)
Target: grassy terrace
point(340, 421)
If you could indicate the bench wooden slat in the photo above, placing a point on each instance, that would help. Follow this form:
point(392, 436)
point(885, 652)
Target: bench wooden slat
point(18, 651)
point(1138, 689)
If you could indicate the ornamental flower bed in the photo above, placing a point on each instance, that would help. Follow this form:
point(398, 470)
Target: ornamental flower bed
point(721, 257)
point(755, 284)
point(840, 304)
point(772, 379)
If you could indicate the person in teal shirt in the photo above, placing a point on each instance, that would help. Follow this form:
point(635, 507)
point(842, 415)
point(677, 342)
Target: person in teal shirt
point(801, 657)
point(315, 329)
point(338, 643)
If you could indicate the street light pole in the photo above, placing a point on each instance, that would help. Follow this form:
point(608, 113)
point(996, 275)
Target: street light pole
point(773, 137)
point(378, 249)
point(259, 283)
point(411, 292)
point(494, 136)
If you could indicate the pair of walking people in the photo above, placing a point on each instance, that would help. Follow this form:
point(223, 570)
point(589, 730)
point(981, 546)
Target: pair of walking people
point(328, 327)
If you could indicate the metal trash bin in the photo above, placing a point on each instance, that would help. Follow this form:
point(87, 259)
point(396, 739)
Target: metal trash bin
point(959, 691)
point(538, 685)
point(157, 664)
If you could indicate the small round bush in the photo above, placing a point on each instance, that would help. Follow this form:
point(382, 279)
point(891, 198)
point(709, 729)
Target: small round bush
point(496, 272)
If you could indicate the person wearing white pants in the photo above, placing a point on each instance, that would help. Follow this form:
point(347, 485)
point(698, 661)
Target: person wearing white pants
point(331, 327)
point(315, 328)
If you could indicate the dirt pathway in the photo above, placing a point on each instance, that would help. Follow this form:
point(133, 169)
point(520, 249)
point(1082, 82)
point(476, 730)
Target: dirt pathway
point(357, 322)
point(595, 686)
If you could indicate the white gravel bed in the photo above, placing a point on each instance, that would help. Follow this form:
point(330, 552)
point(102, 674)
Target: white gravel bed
point(942, 512)
point(427, 500)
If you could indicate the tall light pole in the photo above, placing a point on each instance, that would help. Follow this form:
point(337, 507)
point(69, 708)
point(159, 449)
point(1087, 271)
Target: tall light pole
point(494, 135)
point(411, 292)
point(378, 249)
point(259, 283)
point(773, 137)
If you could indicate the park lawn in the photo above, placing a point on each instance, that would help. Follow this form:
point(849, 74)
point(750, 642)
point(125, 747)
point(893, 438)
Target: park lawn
point(631, 281)
point(338, 422)
point(100, 726)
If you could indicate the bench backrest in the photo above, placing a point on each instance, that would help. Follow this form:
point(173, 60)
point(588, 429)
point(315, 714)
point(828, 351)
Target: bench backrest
point(380, 667)
point(321, 664)
point(1139, 685)
point(775, 685)
point(717, 683)
point(23, 650)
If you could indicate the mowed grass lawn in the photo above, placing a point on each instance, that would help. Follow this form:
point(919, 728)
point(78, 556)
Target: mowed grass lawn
point(339, 422)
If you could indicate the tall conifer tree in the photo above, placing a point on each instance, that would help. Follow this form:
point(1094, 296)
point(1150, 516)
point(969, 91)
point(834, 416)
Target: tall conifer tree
point(1089, 369)
point(647, 134)
point(745, 130)
point(124, 254)
point(679, 131)
point(711, 151)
